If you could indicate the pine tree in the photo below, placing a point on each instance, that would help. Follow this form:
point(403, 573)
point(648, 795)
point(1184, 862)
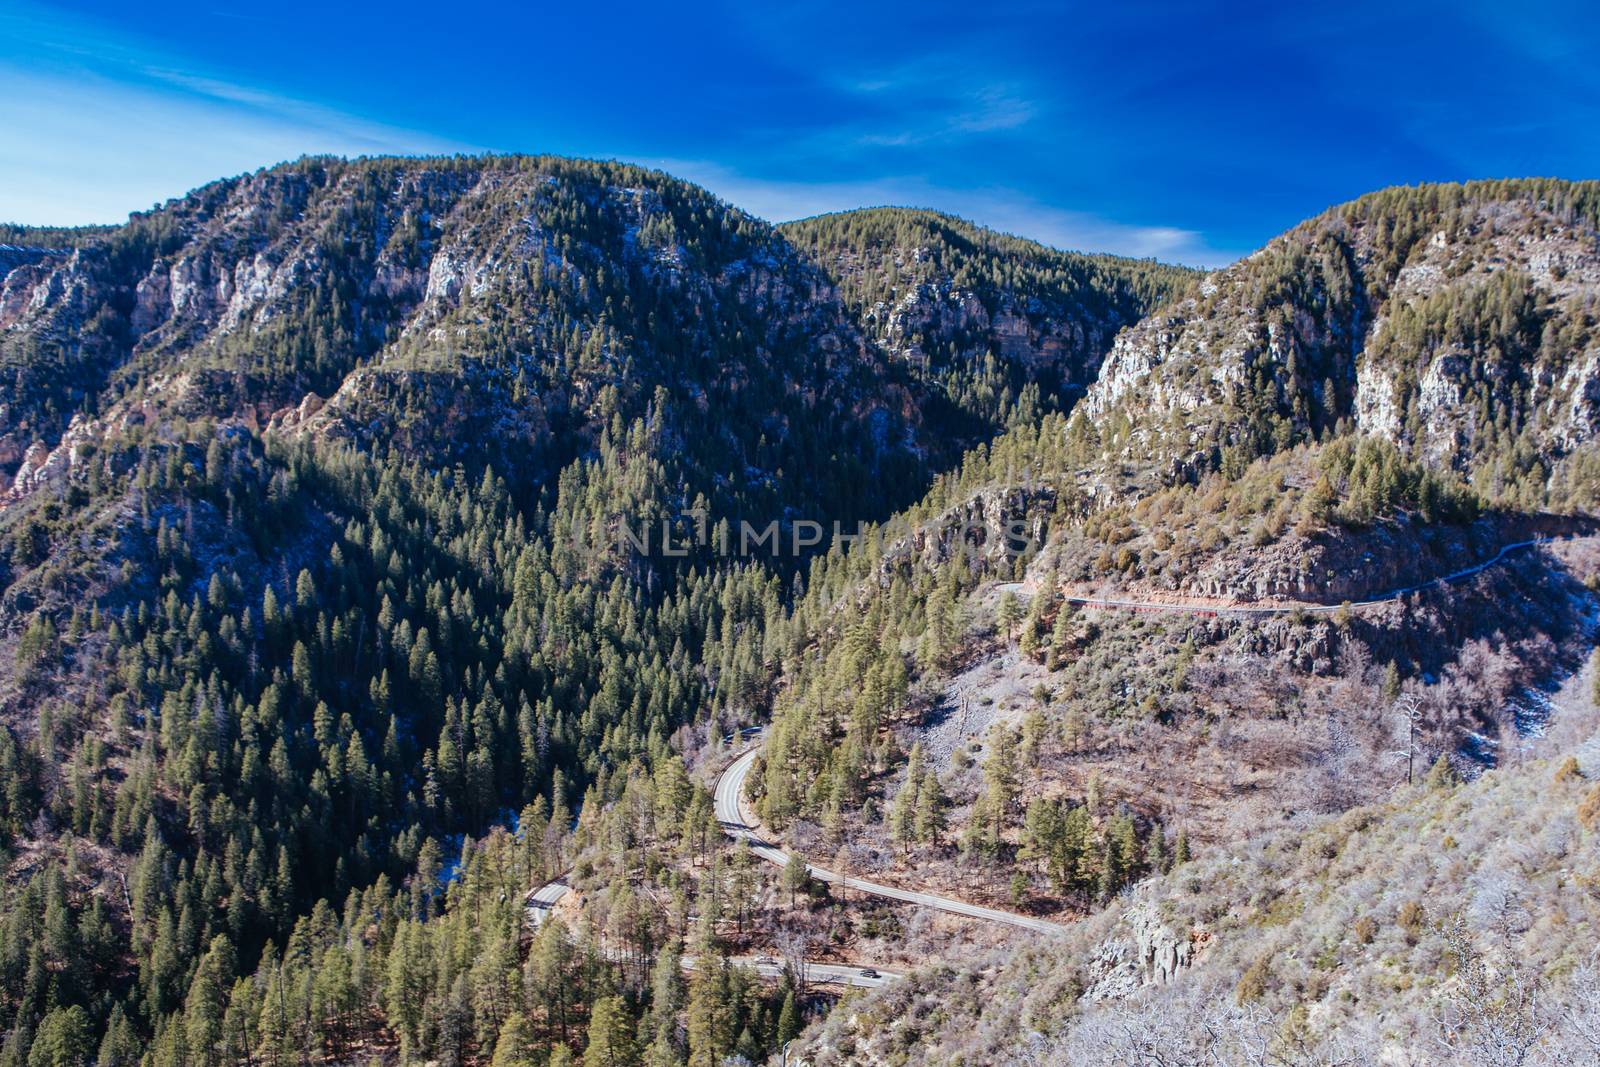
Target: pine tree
point(795, 876)
point(931, 818)
point(1122, 849)
point(203, 1011)
point(1000, 778)
point(548, 982)
point(120, 1047)
point(1180, 851)
point(63, 1039)
point(788, 1020)
point(610, 1035)
point(903, 812)
point(666, 1000)
point(513, 1047)
point(1019, 888)
point(707, 1014)
point(1155, 853)
point(1391, 682)
point(1009, 614)
point(1318, 506)
point(1060, 635)
point(902, 815)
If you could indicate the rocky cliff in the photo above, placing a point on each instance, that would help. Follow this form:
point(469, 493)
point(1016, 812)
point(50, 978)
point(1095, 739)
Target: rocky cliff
point(462, 306)
point(1006, 325)
point(1455, 321)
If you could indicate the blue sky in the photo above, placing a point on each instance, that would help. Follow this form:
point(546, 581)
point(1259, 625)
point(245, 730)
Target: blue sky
point(1192, 132)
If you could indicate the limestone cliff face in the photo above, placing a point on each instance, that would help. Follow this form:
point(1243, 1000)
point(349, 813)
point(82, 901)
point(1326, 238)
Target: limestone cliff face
point(935, 314)
point(14, 256)
point(1142, 949)
point(1455, 321)
point(438, 305)
point(989, 315)
point(986, 528)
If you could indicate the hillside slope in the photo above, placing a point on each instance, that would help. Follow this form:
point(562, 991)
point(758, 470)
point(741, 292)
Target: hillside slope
point(462, 308)
point(322, 494)
point(947, 677)
point(1452, 924)
point(1458, 321)
point(1008, 328)
point(316, 571)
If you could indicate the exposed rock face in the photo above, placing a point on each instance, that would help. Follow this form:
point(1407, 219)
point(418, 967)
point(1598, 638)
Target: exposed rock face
point(40, 465)
point(1450, 323)
point(952, 300)
point(1330, 566)
point(987, 527)
point(1025, 333)
point(14, 256)
point(1142, 950)
point(484, 291)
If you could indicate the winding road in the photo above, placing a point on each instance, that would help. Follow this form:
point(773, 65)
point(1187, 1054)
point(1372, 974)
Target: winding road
point(1388, 597)
point(826, 973)
point(542, 900)
point(540, 903)
point(730, 813)
point(730, 786)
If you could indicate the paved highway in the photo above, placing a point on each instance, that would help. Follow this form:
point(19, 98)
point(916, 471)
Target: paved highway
point(730, 786)
point(730, 813)
point(541, 900)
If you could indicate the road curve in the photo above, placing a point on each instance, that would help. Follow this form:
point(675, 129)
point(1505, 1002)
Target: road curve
point(543, 899)
point(1308, 609)
point(825, 973)
point(730, 813)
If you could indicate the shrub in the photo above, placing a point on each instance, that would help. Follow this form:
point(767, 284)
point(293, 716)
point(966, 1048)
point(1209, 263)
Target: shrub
point(1589, 809)
point(1441, 775)
point(1412, 918)
point(1568, 771)
point(1253, 983)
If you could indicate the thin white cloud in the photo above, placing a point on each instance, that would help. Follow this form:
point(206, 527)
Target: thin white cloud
point(110, 125)
point(999, 107)
point(951, 115)
point(300, 114)
point(86, 149)
point(1000, 209)
point(99, 124)
point(934, 100)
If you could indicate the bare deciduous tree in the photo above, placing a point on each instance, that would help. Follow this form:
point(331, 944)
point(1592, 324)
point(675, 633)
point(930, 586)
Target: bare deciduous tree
point(793, 941)
point(1407, 720)
point(1489, 1018)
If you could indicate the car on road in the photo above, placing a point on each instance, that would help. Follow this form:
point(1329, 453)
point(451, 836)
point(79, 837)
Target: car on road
point(765, 961)
point(868, 972)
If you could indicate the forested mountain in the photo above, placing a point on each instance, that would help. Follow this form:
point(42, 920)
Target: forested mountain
point(318, 484)
point(265, 651)
point(1230, 478)
point(327, 631)
point(460, 309)
point(1007, 328)
point(1456, 320)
